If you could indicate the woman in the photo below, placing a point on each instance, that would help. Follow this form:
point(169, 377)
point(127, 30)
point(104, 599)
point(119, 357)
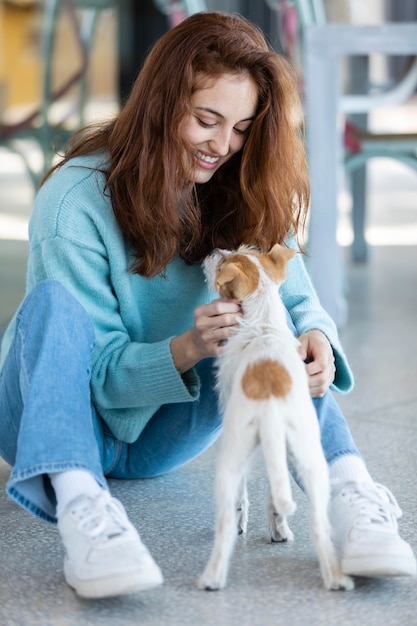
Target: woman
point(107, 368)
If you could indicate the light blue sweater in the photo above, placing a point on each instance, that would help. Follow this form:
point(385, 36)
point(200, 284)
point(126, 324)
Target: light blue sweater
point(75, 239)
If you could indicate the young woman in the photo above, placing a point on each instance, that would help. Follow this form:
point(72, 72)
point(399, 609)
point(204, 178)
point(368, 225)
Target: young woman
point(107, 367)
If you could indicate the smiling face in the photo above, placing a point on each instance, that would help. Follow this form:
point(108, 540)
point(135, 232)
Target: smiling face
point(222, 111)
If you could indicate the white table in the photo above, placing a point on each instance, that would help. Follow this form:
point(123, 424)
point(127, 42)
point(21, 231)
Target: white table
point(324, 46)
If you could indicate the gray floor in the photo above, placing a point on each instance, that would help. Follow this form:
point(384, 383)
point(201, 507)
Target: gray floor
point(268, 584)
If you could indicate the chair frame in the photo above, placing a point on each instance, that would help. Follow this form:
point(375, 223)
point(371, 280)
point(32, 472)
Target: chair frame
point(367, 145)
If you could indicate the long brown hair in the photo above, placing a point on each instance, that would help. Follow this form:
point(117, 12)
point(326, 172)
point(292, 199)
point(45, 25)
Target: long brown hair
point(258, 197)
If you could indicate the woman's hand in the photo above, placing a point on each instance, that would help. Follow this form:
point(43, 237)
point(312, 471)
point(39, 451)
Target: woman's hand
point(317, 353)
point(213, 324)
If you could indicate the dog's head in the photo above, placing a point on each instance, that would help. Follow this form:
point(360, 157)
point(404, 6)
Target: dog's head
point(238, 274)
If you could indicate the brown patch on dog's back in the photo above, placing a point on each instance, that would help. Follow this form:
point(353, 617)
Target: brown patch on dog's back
point(265, 379)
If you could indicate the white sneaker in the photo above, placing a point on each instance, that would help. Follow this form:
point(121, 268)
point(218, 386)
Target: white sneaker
point(365, 532)
point(104, 553)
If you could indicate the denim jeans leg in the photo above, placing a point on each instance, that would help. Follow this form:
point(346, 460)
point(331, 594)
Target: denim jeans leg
point(46, 420)
point(336, 438)
point(175, 435)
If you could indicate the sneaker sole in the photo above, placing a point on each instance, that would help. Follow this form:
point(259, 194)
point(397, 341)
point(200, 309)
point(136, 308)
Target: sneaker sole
point(117, 585)
point(379, 567)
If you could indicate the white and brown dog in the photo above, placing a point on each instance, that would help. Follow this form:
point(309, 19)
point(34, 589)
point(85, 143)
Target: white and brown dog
point(264, 393)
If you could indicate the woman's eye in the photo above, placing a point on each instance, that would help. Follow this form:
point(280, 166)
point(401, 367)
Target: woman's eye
point(205, 124)
point(239, 131)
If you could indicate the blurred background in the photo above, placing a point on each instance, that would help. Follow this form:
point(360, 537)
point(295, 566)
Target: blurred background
point(68, 62)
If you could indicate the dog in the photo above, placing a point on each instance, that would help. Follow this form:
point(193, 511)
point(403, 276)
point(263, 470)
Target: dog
point(264, 394)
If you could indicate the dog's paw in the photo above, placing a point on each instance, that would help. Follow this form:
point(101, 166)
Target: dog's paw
point(278, 537)
point(341, 583)
point(206, 583)
point(242, 524)
point(346, 583)
point(279, 529)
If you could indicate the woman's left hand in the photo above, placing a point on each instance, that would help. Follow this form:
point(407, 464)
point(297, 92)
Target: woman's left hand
point(316, 351)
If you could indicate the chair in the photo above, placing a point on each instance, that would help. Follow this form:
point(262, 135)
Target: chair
point(50, 132)
point(361, 144)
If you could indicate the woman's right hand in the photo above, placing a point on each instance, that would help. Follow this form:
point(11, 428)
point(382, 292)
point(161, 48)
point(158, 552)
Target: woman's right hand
point(213, 324)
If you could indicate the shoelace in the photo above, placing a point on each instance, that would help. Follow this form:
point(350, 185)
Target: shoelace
point(101, 520)
point(375, 504)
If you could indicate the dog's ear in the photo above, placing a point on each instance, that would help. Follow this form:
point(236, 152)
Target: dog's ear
point(275, 262)
point(233, 282)
point(279, 253)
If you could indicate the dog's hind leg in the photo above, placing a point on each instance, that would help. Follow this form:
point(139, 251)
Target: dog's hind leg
point(317, 487)
point(281, 502)
point(312, 468)
point(215, 574)
point(233, 457)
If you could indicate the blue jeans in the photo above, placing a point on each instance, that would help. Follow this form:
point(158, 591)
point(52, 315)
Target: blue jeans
point(48, 422)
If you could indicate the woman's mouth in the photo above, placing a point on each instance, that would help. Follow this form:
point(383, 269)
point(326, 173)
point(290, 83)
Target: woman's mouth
point(206, 161)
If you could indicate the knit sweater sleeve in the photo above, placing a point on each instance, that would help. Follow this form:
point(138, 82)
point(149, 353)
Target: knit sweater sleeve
point(303, 305)
point(126, 372)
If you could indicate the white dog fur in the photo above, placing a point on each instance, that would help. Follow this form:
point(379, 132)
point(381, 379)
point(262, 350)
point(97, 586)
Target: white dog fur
point(263, 389)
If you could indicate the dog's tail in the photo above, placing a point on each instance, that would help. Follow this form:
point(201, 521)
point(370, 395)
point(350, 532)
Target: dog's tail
point(273, 442)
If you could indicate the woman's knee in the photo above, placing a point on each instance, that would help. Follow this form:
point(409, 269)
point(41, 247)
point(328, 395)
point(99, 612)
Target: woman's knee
point(49, 305)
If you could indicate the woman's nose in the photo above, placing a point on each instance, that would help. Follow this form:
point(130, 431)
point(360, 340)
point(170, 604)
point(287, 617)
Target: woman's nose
point(220, 142)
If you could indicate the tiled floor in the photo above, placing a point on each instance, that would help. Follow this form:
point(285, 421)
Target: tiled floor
point(268, 584)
